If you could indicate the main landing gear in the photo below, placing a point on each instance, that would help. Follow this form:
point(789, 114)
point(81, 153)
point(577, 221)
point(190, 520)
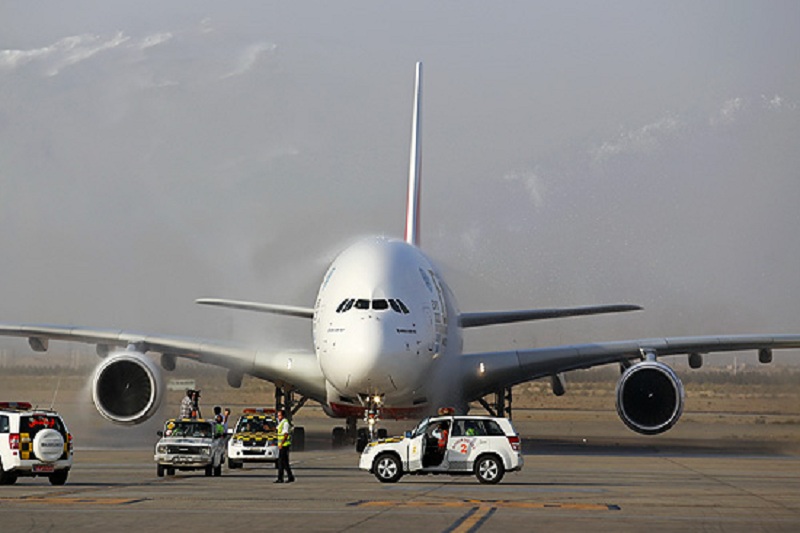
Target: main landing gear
point(501, 406)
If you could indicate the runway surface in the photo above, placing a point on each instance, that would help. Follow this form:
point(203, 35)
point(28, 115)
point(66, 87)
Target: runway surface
point(678, 484)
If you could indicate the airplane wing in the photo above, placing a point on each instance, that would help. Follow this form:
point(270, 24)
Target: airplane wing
point(484, 373)
point(290, 310)
point(298, 369)
point(468, 320)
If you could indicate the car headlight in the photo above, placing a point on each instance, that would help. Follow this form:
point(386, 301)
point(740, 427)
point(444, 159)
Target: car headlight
point(237, 443)
point(205, 451)
point(161, 449)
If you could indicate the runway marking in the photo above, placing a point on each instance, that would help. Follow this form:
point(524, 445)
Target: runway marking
point(481, 510)
point(72, 501)
point(472, 521)
point(499, 504)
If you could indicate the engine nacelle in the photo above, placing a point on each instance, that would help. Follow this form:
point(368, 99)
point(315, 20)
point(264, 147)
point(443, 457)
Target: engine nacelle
point(127, 388)
point(649, 397)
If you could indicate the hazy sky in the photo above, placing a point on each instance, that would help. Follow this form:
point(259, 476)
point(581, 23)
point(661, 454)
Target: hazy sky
point(575, 153)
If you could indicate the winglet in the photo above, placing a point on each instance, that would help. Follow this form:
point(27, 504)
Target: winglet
point(415, 165)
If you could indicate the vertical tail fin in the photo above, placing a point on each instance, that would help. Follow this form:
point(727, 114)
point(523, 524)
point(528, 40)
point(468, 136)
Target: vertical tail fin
point(415, 165)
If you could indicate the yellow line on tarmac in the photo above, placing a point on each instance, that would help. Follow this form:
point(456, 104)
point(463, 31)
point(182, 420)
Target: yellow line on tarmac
point(71, 501)
point(506, 504)
point(472, 521)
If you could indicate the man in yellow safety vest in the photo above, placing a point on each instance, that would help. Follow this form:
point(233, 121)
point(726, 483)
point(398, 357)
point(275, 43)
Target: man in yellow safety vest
point(284, 444)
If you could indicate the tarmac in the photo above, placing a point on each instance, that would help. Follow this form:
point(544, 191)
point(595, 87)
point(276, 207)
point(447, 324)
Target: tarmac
point(577, 476)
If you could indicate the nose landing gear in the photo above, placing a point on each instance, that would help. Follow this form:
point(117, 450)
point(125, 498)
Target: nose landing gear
point(364, 435)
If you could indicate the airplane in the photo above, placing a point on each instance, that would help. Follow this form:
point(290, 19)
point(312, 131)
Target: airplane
point(387, 342)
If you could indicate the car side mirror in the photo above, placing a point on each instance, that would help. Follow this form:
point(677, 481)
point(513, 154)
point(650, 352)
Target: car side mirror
point(160, 433)
point(407, 434)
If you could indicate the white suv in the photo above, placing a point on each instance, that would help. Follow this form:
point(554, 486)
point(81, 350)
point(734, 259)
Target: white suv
point(485, 446)
point(33, 442)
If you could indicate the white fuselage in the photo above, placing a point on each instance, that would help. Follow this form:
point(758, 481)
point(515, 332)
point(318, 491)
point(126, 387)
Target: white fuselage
point(384, 324)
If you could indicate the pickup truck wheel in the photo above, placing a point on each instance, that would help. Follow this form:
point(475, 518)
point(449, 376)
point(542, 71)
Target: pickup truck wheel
point(388, 468)
point(170, 471)
point(160, 470)
point(489, 469)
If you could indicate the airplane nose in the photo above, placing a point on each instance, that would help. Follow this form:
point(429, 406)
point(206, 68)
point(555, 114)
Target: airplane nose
point(368, 360)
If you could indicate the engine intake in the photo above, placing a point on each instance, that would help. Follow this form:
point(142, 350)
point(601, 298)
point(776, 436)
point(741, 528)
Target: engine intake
point(649, 397)
point(126, 388)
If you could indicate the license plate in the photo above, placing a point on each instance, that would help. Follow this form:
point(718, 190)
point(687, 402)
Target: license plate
point(44, 468)
point(183, 460)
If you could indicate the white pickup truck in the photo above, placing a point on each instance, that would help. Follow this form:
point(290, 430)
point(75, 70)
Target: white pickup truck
point(190, 444)
point(487, 447)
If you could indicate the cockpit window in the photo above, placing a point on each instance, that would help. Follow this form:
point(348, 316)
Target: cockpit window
point(378, 305)
point(403, 307)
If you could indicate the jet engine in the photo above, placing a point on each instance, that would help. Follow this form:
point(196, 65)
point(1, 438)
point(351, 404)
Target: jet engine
point(649, 397)
point(127, 388)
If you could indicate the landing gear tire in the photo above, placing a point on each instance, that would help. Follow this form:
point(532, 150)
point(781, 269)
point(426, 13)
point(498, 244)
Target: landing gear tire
point(489, 469)
point(338, 437)
point(299, 439)
point(382, 433)
point(362, 439)
point(388, 468)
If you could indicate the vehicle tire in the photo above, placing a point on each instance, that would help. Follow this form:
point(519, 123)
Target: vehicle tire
point(387, 468)
point(233, 464)
point(489, 469)
point(170, 471)
point(337, 437)
point(48, 445)
point(209, 470)
point(160, 470)
point(299, 439)
point(59, 477)
point(7, 478)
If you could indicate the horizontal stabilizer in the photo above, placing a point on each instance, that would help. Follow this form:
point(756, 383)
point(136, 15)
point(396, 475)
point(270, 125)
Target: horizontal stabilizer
point(469, 320)
point(290, 310)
